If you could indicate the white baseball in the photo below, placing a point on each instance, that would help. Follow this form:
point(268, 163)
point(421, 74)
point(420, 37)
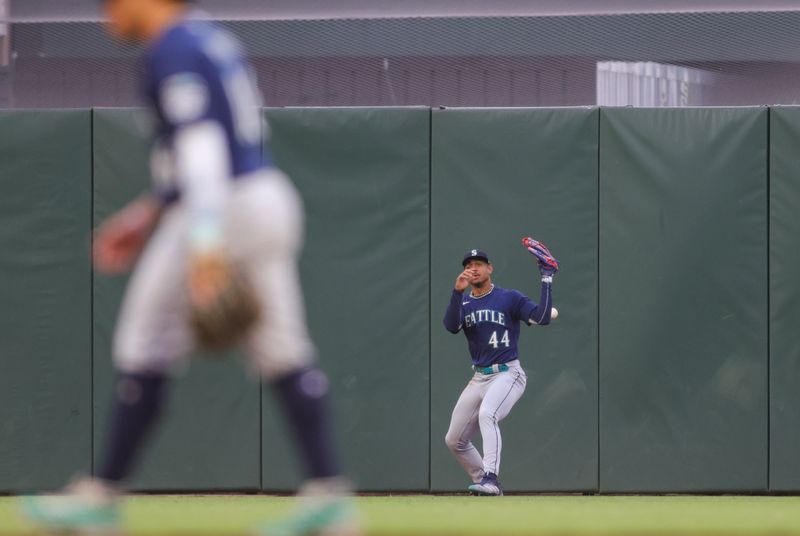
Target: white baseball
point(553, 313)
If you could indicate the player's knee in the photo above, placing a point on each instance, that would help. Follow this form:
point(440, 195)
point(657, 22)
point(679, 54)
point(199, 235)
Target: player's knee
point(454, 442)
point(487, 416)
point(126, 363)
point(307, 383)
point(147, 391)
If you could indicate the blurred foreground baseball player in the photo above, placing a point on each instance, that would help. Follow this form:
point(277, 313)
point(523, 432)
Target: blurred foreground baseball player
point(219, 239)
point(490, 317)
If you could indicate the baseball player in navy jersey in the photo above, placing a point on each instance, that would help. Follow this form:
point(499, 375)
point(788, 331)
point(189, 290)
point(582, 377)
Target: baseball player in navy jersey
point(216, 196)
point(490, 318)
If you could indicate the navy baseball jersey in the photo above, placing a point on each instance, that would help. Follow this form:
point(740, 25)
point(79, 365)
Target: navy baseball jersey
point(195, 73)
point(491, 322)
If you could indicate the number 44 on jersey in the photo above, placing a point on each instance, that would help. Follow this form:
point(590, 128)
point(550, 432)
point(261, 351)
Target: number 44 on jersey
point(504, 340)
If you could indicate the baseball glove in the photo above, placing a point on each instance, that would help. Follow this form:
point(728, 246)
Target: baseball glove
point(548, 265)
point(223, 320)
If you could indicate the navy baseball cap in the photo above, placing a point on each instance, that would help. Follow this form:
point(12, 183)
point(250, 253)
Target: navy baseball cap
point(475, 254)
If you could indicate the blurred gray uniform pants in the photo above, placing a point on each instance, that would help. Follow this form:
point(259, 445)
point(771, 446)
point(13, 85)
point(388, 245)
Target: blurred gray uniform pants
point(264, 235)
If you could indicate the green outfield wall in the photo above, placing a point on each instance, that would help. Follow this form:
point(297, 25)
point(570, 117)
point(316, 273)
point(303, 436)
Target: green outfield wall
point(784, 299)
point(683, 300)
point(499, 175)
point(364, 176)
point(45, 296)
point(673, 367)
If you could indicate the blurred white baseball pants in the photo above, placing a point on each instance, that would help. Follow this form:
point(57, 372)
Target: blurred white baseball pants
point(263, 235)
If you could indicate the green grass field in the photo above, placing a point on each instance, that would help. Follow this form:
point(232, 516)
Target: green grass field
point(173, 515)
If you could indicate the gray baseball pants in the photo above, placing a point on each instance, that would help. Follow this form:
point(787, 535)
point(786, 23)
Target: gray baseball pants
point(486, 400)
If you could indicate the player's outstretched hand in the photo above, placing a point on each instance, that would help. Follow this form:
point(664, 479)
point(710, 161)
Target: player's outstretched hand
point(120, 239)
point(463, 280)
point(548, 264)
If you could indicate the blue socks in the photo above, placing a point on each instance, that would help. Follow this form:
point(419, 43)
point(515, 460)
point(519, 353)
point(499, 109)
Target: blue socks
point(304, 402)
point(136, 406)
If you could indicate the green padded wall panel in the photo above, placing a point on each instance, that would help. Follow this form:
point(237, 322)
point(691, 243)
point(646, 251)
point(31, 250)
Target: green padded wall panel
point(210, 438)
point(784, 469)
point(683, 300)
point(363, 173)
point(45, 285)
point(499, 175)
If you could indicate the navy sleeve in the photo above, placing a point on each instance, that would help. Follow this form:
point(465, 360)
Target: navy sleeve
point(532, 313)
point(184, 86)
point(452, 317)
point(180, 87)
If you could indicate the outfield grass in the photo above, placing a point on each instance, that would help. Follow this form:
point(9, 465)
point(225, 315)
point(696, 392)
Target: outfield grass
point(174, 515)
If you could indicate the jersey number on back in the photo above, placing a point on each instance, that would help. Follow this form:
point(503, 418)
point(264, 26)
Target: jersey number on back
point(493, 340)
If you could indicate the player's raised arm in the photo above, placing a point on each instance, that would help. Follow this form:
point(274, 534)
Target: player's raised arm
point(452, 317)
point(543, 312)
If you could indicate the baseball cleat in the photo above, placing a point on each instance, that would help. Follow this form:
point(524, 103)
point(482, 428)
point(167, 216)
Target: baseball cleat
point(324, 507)
point(336, 518)
point(489, 486)
point(87, 507)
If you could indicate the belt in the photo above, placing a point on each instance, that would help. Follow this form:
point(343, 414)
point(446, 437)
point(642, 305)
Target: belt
point(494, 369)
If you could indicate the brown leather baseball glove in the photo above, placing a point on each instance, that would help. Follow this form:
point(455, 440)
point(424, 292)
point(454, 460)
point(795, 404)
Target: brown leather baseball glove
point(225, 307)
